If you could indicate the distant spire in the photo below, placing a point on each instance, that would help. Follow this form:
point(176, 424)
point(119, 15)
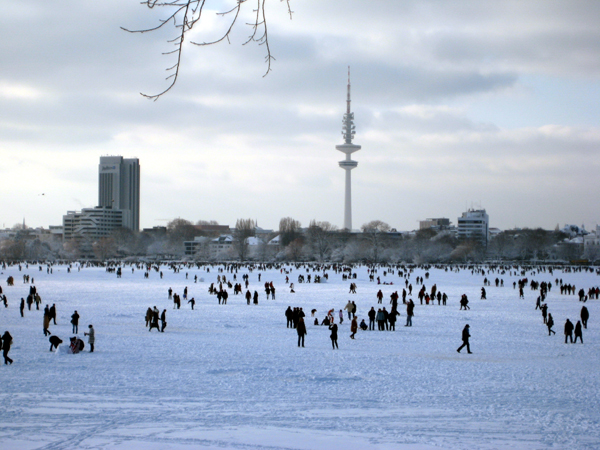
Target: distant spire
point(348, 121)
point(348, 100)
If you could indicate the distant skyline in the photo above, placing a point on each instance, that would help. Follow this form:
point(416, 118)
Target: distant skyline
point(457, 104)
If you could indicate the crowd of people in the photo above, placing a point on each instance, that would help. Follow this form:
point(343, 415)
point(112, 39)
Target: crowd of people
point(295, 317)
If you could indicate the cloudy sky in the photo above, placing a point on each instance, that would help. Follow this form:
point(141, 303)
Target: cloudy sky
point(457, 104)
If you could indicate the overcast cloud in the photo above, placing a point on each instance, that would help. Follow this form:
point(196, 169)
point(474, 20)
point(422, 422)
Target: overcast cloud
point(457, 104)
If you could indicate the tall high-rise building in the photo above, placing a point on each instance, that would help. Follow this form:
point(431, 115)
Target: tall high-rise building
point(348, 164)
point(119, 188)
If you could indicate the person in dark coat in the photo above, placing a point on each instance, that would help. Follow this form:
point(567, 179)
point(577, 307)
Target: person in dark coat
point(289, 315)
point(334, 335)
point(585, 315)
point(154, 321)
point(301, 330)
point(353, 328)
point(372, 314)
point(55, 341)
point(255, 297)
point(578, 332)
point(53, 313)
point(392, 319)
point(465, 338)
point(568, 331)
point(163, 319)
point(148, 316)
point(550, 324)
point(22, 306)
point(410, 308)
point(6, 343)
point(75, 322)
point(363, 326)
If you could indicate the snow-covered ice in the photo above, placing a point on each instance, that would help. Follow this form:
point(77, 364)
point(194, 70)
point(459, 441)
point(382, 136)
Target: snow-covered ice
point(232, 377)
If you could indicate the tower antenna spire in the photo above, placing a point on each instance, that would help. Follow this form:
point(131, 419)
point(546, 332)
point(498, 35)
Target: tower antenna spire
point(348, 100)
point(348, 164)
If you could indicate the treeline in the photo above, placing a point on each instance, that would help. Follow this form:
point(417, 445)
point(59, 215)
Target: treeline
point(320, 241)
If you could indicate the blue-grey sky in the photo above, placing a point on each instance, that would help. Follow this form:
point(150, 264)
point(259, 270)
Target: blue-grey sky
point(457, 104)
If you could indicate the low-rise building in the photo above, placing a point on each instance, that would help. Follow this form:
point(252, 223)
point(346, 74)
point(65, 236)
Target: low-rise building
point(474, 224)
point(91, 223)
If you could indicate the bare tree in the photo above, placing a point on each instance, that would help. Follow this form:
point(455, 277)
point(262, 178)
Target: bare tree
point(244, 228)
point(11, 249)
point(294, 250)
point(289, 230)
point(184, 15)
point(104, 248)
point(321, 238)
point(375, 233)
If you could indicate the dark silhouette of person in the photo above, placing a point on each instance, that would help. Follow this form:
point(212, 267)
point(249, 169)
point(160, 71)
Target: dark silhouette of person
point(372, 313)
point(550, 324)
point(410, 307)
point(148, 316)
point(301, 330)
point(334, 335)
point(363, 326)
point(55, 341)
point(585, 315)
point(154, 321)
point(75, 322)
point(22, 306)
point(465, 339)
point(192, 302)
point(568, 331)
point(53, 313)
point(578, 332)
point(6, 343)
point(289, 315)
point(163, 319)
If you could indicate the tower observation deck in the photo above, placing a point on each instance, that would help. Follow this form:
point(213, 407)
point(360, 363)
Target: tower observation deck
point(348, 164)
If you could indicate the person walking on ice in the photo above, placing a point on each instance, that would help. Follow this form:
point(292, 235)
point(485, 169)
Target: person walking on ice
point(353, 328)
point(578, 332)
point(465, 338)
point(550, 324)
point(6, 343)
point(334, 335)
point(568, 331)
point(301, 329)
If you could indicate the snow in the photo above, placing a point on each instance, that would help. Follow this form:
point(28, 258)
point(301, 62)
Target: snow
point(232, 377)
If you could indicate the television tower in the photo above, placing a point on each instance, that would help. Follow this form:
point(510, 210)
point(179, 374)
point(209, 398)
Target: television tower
point(348, 164)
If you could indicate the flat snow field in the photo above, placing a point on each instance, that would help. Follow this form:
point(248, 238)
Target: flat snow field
point(232, 377)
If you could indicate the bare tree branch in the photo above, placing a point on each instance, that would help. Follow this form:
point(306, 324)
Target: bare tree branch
point(185, 14)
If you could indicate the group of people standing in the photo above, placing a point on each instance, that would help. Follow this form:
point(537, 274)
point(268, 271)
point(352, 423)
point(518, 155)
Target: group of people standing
point(153, 316)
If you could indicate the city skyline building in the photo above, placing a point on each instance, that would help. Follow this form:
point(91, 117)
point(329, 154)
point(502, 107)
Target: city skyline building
point(474, 224)
point(119, 188)
point(348, 164)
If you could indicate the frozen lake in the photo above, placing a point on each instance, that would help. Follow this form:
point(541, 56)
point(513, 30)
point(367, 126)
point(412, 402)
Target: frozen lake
point(232, 377)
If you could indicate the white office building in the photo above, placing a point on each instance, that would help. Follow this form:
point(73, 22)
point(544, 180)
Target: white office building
point(91, 223)
point(474, 224)
point(119, 188)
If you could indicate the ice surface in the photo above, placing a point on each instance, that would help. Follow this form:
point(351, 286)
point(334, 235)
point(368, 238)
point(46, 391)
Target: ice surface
point(232, 377)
